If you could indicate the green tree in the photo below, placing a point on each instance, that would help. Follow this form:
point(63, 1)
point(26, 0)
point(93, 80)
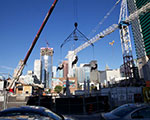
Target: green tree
point(92, 87)
point(58, 89)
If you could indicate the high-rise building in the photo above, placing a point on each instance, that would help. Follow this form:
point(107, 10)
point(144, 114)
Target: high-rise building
point(38, 69)
point(136, 28)
point(141, 32)
point(60, 73)
point(65, 69)
point(145, 25)
point(141, 28)
point(110, 76)
point(94, 74)
point(54, 73)
point(47, 61)
point(82, 73)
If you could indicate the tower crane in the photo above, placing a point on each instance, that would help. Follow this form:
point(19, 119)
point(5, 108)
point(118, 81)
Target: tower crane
point(128, 62)
point(22, 63)
point(124, 21)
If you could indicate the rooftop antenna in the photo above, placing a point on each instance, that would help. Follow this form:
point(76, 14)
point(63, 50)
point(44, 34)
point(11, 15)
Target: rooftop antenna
point(47, 43)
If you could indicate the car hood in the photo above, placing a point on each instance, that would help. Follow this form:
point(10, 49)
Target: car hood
point(110, 116)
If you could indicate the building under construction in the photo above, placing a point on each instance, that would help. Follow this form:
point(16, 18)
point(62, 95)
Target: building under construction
point(47, 61)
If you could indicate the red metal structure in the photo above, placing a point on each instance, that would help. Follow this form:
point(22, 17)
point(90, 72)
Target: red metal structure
point(18, 71)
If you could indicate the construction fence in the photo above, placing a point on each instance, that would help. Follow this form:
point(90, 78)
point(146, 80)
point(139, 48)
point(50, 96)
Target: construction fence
point(122, 95)
point(82, 105)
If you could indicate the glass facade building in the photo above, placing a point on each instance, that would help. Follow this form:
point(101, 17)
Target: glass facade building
point(145, 25)
point(83, 73)
point(38, 69)
point(140, 28)
point(46, 55)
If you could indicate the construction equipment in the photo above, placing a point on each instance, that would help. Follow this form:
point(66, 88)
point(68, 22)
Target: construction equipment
point(107, 31)
point(128, 62)
point(22, 63)
point(75, 35)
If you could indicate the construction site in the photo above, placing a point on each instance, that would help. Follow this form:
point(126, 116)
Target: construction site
point(70, 88)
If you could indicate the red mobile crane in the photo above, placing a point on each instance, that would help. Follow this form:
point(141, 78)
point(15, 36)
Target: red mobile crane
point(22, 63)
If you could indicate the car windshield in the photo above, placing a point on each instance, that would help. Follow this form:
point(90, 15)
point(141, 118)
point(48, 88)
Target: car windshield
point(123, 110)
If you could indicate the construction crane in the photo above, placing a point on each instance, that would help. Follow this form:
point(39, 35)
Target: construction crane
point(128, 63)
point(71, 54)
point(22, 63)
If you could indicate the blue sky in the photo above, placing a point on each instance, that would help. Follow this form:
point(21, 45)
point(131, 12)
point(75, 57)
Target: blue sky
point(20, 20)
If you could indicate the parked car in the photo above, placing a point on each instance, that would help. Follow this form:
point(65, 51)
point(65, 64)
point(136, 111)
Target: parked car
point(29, 113)
point(128, 112)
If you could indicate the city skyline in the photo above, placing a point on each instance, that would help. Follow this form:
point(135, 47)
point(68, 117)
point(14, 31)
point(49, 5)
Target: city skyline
point(21, 21)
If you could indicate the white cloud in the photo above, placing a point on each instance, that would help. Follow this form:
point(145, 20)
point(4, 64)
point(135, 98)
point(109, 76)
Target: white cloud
point(6, 67)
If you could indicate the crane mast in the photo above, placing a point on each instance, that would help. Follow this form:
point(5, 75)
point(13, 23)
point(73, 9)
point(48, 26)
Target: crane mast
point(128, 62)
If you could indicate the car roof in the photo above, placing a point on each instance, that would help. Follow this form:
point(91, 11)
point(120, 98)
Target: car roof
point(127, 109)
point(136, 105)
point(35, 109)
point(24, 108)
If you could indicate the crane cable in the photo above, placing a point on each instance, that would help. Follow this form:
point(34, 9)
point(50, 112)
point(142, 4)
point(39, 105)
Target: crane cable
point(75, 8)
point(104, 18)
point(75, 4)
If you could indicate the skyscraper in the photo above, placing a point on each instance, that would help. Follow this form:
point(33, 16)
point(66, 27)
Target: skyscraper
point(82, 73)
point(47, 60)
point(145, 25)
point(141, 32)
point(94, 74)
point(54, 73)
point(65, 69)
point(38, 69)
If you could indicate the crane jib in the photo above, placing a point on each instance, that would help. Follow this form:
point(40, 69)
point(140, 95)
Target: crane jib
point(111, 29)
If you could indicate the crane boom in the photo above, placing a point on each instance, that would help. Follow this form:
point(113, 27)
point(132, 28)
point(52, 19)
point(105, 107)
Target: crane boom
point(111, 29)
point(18, 71)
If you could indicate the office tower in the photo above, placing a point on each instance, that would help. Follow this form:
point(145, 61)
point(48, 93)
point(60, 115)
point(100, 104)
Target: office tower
point(47, 61)
point(145, 25)
point(38, 69)
point(94, 74)
point(54, 73)
point(65, 69)
point(141, 32)
point(83, 73)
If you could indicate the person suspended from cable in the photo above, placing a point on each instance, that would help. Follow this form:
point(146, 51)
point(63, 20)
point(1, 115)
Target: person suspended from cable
point(93, 65)
point(60, 67)
point(75, 61)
